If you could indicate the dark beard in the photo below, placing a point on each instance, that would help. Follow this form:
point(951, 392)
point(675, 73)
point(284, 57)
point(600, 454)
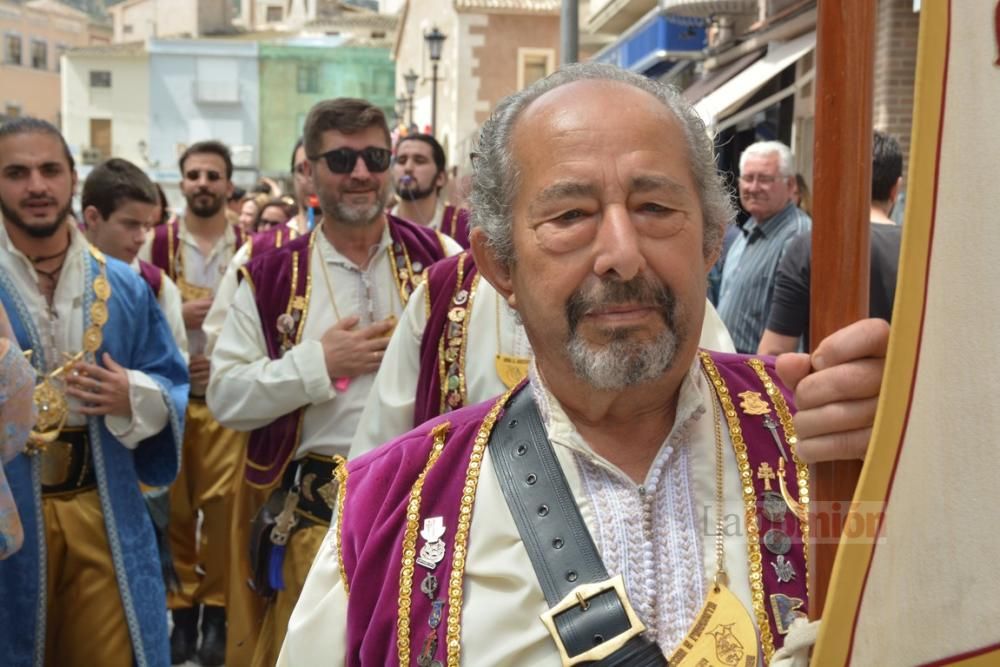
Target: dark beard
point(208, 210)
point(43, 232)
point(415, 194)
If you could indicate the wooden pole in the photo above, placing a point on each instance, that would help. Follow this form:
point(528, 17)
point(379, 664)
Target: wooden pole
point(845, 52)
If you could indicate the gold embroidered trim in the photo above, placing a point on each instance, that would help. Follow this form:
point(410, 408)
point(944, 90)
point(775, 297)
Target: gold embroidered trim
point(304, 304)
point(340, 474)
point(750, 505)
point(246, 276)
point(801, 469)
point(463, 355)
point(410, 546)
point(462, 533)
point(171, 260)
point(454, 345)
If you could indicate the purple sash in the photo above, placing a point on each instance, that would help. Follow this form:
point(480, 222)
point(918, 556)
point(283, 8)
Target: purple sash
point(442, 285)
point(455, 223)
point(152, 275)
point(374, 525)
point(272, 447)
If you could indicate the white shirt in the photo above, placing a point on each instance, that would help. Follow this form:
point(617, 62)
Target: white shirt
point(249, 390)
point(61, 330)
point(199, 269)
point(169, 299)
point(492, 329)
point(502, 598)
point(435, 222)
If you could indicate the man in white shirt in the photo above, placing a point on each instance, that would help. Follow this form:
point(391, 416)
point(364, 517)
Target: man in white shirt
point(579, 497)
point(86, 588)
point(299, 349)
point(194, 250)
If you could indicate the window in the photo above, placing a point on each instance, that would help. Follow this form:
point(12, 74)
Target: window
point(100, 137)
point(274, 14)
point(127, 29)
point(12, 49)
point(100, 79)
point(308, 78)
point(39, 54)
point(12, 110)
point(534, 64)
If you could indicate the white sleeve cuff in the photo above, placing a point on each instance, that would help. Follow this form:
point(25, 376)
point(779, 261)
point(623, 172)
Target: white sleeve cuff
point(149, 412)
point(311, 366)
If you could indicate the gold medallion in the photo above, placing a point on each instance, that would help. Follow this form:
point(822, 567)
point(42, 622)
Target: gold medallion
point(512, 370)
point(753, 403)
point(51, 408)
point(99, 313)
point(102, 288)
point(456, 314)
point(723, 634)
point(92, 338)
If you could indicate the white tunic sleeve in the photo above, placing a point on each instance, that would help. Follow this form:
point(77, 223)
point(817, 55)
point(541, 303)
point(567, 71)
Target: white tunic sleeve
point(224, 294)
point(248, 389)
point(317, 629)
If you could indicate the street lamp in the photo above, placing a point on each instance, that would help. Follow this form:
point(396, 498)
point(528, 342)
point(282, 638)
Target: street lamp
point(410, 79)
point(401, 109)
point(435, 39)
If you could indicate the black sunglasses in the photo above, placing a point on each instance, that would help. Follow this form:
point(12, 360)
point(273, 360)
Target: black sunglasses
point(342, 160)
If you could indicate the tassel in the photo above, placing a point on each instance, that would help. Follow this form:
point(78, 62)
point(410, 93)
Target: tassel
point(275, 565)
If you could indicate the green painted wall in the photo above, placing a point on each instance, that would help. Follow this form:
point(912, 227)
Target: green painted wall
point(347, 71)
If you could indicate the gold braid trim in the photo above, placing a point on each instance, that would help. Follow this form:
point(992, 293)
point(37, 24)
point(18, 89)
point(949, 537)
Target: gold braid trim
point(340, 474)
point(462, 534)
point(439, 433)
point(750, 505)
point(801, 469)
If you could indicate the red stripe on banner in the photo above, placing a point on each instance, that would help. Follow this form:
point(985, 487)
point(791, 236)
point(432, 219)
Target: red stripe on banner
point(920, 335)
point(951, 660)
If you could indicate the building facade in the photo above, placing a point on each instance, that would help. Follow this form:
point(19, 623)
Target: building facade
point(493, 48)
point(138, 20)
point(35, 35)
point(296, 74)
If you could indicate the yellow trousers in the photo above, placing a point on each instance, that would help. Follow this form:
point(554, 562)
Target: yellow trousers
point(209, 462)
point(256, 626)
point(86, 621)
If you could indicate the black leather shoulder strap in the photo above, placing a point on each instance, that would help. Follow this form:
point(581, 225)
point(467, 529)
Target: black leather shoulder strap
point(589, 612)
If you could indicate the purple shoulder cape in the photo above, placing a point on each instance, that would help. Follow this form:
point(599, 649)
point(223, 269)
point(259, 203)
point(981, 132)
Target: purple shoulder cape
point(279, 280)
point(433, 470)
point(455, 223)
point(445, 282)
point(166, 244)
point(153, 275)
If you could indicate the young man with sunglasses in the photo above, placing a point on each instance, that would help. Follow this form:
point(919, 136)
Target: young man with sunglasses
point(194, 249)
point(419, 172)
point(300, 347)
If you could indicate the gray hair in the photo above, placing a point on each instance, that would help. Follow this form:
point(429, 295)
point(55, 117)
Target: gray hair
point(496, 175)
point(767, 148)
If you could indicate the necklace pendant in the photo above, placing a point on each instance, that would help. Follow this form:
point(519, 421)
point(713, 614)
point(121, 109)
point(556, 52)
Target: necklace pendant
point(511, 370)
point(723, 633)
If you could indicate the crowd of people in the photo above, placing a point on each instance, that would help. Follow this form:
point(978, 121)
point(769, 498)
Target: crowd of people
point(358, 424)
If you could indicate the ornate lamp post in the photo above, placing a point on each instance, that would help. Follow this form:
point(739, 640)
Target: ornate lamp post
point(435, 39)
point(410, 79)
point(401, 109)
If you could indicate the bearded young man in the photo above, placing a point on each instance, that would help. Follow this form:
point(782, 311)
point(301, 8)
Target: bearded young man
point(419, 172)
point(300, 346)
point(86, 587)
point(194, 250)
point(578, 497)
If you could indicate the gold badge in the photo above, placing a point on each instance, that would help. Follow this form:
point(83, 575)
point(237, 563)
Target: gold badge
point(723, 634)
point(512, 370)
point(753, 403)
point(99, 313)
point(92, 338)
point(456, 314)
point(102, 288)
point(328, 492)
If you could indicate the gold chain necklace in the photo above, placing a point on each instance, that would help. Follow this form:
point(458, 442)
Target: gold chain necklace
point(723, 631)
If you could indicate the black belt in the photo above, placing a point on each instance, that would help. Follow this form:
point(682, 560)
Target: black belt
point(590, 617)
point(317, 490)
point(67, 466)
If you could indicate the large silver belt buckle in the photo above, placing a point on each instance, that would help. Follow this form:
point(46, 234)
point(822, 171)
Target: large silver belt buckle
point(580, 596)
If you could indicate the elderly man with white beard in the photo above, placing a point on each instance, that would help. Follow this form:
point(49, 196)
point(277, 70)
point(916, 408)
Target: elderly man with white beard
point(578, 497)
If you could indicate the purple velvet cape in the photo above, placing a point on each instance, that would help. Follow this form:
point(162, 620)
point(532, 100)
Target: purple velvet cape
point(272, 447)
point(455, 223)
point(166, 245)
point(378, 488)
point(442, 284)
point(153, 275)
